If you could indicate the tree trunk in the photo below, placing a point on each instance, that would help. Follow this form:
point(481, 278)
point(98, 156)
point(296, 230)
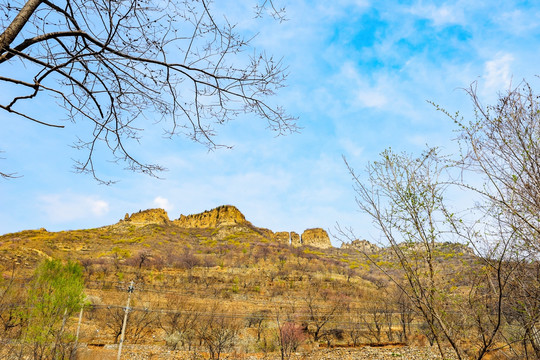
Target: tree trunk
point(11, 32)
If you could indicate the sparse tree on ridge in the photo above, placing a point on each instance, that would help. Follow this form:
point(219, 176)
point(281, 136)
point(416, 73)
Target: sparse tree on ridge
point(120, 66)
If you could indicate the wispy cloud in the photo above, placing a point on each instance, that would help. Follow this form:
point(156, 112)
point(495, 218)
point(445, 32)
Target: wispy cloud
point(67, 207)
point(442, 15)
point(497, 73)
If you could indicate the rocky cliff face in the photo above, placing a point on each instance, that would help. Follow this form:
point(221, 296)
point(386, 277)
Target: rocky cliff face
point(228, 220)
point(146, 217)
point(316, 237)
point(295, 239)
point(363, 246)
point(281, 237)
point(220, 216)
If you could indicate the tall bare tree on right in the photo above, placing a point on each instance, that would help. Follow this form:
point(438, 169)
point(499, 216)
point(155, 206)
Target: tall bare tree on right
point(493, 303)
point(502, 146)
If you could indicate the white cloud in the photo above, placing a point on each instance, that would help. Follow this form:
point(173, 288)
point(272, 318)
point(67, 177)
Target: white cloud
point(519, 22)
point(372, 98)
point(439, 15)
point(497, 73)
point(365, 94)
point(163, 203)
point(69, 207)
point(98, 207)
point(351, 147)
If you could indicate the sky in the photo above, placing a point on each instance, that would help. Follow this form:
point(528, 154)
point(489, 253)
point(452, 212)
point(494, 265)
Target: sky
point(361, 76)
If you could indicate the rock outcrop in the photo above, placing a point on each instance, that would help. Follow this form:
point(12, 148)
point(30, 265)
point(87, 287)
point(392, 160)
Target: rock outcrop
point(295, 239)
point(363, 246)
point(225, 215)
point(146, 217)
point(316, 237)
point(282, 237)
point(227, 220)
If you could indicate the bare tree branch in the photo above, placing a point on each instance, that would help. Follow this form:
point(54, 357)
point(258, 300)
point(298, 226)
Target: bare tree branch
point(120, 64)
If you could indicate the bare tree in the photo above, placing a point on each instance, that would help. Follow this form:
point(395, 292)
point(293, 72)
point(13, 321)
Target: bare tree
point(218, 331)
point(321, 306)
point(118, 64)
point(180, 321)
point(405, 196)
point(257, 319)
point(290, 335)
point(140, 323)
point(502, 147)
point(405, 313)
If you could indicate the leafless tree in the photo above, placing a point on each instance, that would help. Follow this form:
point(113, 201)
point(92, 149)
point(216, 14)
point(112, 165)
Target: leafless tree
point(290, 335)
point(321, 306)
point(405, 196)
point(502, 147)
point(405, 313)
point(140, 324)
point(180, 321)
point(120, 66)
point(218, 331)
point(258, 320)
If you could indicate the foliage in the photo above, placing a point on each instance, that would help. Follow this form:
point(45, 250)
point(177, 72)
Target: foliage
point(54, 294)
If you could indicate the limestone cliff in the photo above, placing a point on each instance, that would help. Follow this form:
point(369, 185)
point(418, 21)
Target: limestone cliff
point(295, 239)
point(363, 246)
point(225, 215)
point(316, 237)
point(146, 217)
point(282, 237)
point(267, 233)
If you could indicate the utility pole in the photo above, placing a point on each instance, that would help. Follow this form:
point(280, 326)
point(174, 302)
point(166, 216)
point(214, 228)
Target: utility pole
point(74, 348)
point(130, 291)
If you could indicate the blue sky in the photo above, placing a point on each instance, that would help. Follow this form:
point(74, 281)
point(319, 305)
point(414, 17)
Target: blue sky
point(360, 76)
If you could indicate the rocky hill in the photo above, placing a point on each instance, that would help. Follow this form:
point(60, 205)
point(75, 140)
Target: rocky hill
point(362, 246)
point(225, 220)
point(146, 217)
point(218, 264)
point(316, 237)
point(224, 215)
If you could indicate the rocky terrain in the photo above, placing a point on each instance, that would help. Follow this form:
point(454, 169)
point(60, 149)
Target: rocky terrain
point(227, 216)
point(147, 217)
point(138, 352)
point(363, 246)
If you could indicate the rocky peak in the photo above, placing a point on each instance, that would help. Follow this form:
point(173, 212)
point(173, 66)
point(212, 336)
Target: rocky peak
point(316, 237)
point(146, 217)
point(225, 215)
point(363, 246)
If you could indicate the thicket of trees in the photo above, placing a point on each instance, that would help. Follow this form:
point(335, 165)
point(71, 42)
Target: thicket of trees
point(36, 315)
point(492, 303)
